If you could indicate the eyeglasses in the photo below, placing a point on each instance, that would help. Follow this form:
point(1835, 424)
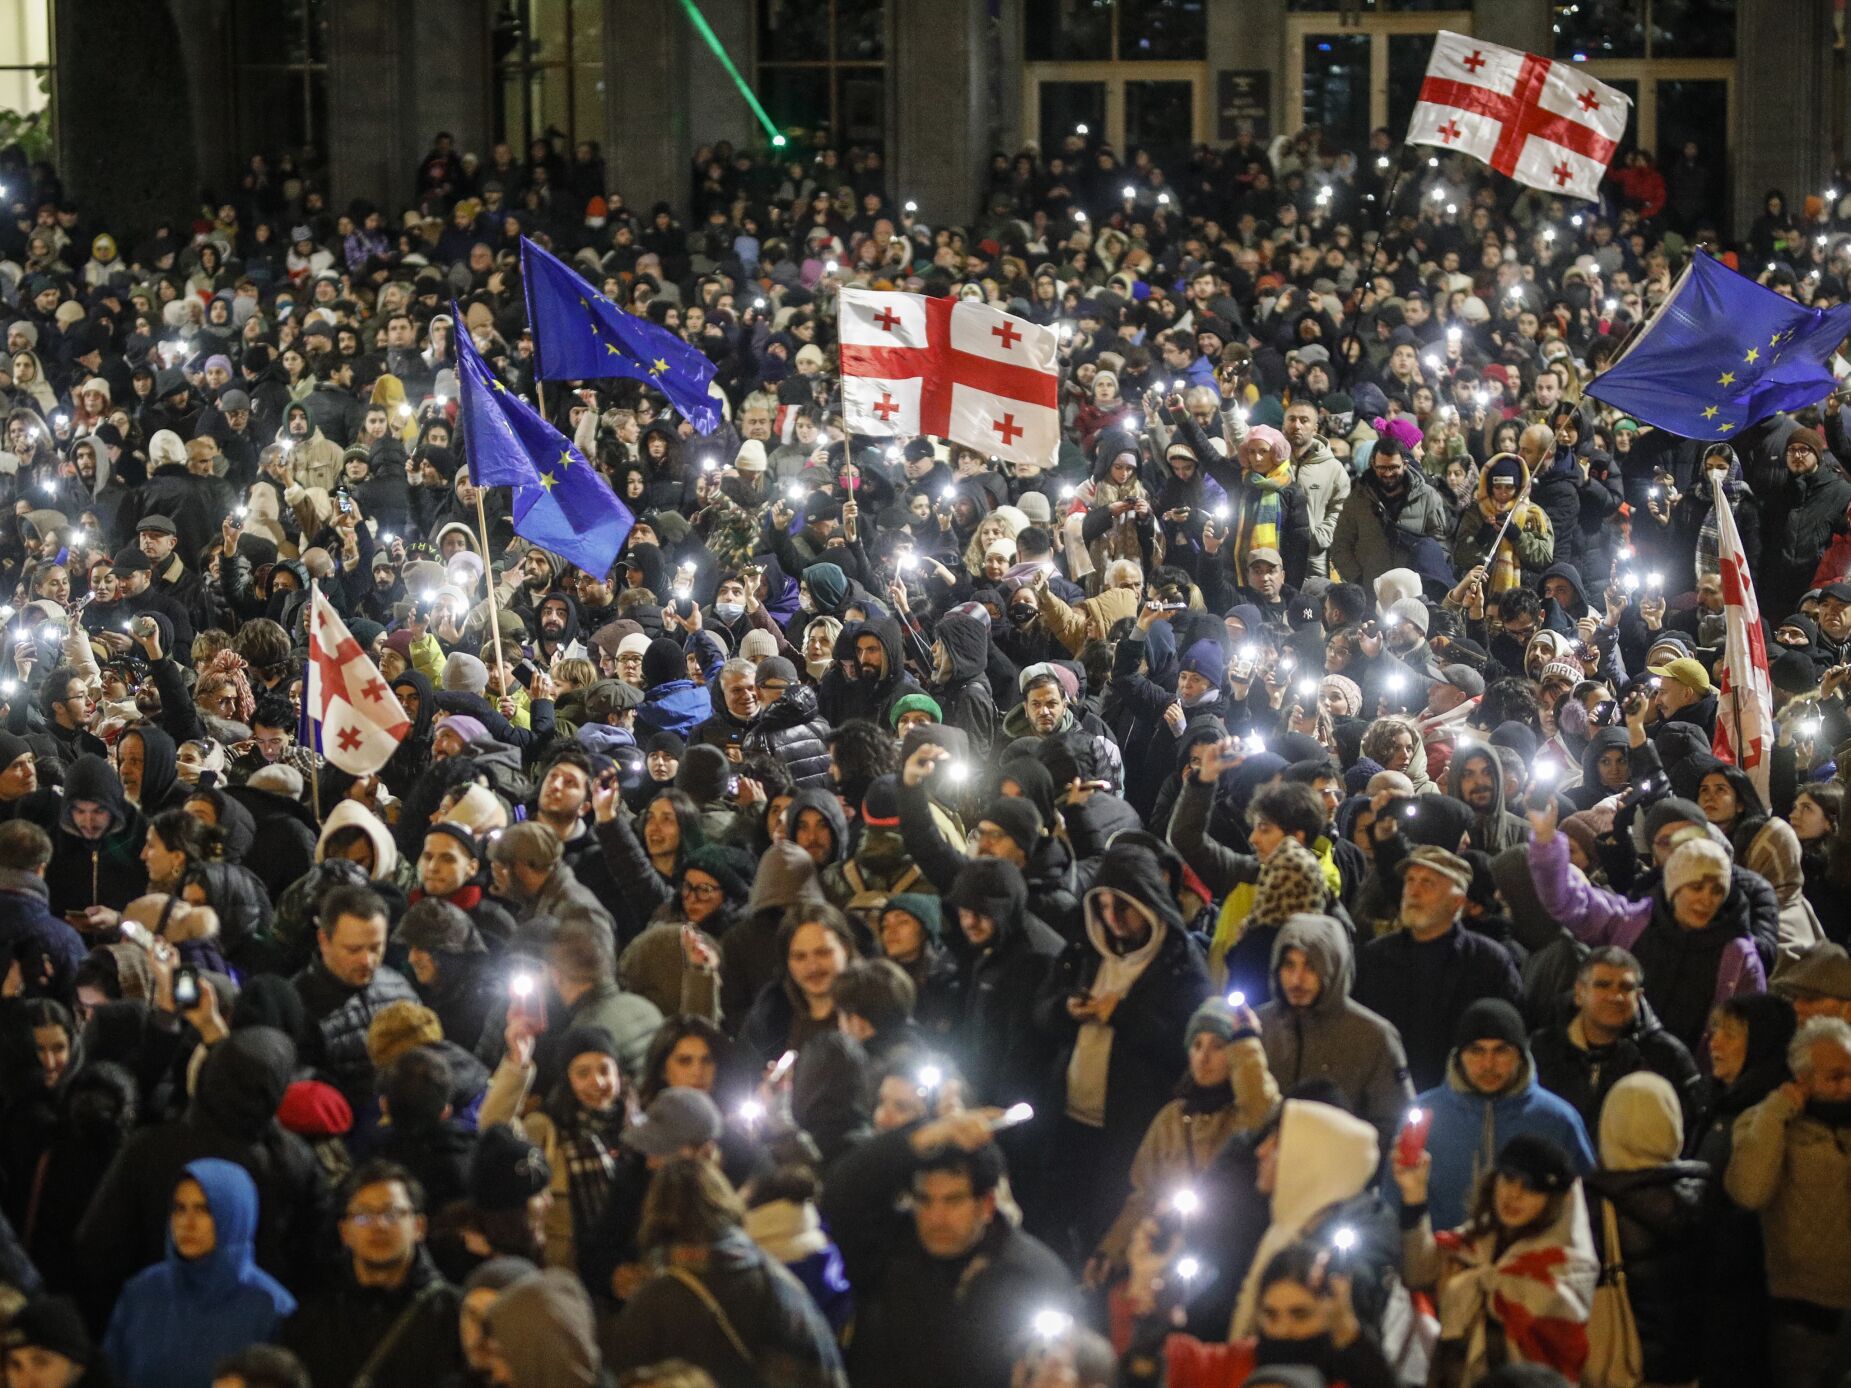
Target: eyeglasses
point(704, 891)
point(391, 1215)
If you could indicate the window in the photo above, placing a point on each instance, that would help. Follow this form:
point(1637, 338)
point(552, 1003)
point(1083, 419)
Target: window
point(1597, 30)
point(282, 74)
point(25, 58)
point(1100, 31)
point(551, 59)
point(822, 65)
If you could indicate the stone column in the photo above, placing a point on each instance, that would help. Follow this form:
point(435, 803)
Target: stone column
point(938, 70)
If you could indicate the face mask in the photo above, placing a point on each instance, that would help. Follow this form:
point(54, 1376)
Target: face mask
point(729, 612)
point(1022, 616)
point(805, 603)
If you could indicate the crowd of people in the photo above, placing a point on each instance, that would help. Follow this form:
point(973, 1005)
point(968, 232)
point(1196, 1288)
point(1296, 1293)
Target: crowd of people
point(1248, 899)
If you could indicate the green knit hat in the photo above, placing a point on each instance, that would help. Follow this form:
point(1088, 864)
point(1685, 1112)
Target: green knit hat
point(915, 703)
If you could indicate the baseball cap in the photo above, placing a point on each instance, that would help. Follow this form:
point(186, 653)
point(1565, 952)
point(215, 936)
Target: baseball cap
point(1840, 591)
point(675, 1119)
point(1264, 555)
point(1687, 672)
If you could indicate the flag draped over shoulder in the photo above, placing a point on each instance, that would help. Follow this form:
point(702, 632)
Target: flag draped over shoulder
point(561, 502)
point(1745, 704)
point(1723, 353)
point(579, 334)
point(360, 719)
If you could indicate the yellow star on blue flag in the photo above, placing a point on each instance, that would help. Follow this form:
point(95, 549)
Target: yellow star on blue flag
point(1702, 356)
point(571, 322)
point(570, 510)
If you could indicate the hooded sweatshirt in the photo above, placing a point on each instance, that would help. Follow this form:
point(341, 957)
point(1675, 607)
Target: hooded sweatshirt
point(1495, 828)
point(102, 872)
point(1336, 1038)
point(174, 1321)
point(544, 1328)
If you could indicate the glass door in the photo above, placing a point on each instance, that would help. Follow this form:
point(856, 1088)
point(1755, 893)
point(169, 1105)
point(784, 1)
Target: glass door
point(1352, 73)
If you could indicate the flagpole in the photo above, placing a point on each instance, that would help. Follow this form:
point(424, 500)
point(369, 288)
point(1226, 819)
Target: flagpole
point(494, 617)
point(308, 702)
point(1498, 539)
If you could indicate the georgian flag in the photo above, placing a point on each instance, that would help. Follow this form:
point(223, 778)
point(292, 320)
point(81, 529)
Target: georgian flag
point(1544, 123)
point(953, 368)
point(359, 718)
point(1745, 702)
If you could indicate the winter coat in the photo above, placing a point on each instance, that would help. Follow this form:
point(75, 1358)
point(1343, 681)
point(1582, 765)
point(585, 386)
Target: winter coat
point(339, 1016)
point(48, 949)
point(791, 731)
point(921, 1321)
point(1326, 483)
point(965, 696)
point(1376, 533)
point(1421, 988)
point(1798, 518)
point(1584, 1075)
point(1335, 1039)
point(1470, 1129)
point(336, 1331)
point(1687, 972)
point(96, 872)
point(767, 1306)
point(176, 1320)
point(232, 1115)
point(1114, 1075)
point(1660, 1205)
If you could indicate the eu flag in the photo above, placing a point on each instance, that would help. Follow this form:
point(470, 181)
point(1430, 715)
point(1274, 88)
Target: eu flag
point(579, 334)
point(1723, 353)
point(561, 502)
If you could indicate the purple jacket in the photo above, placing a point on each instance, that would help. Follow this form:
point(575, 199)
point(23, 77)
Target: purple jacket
point(1596, 916)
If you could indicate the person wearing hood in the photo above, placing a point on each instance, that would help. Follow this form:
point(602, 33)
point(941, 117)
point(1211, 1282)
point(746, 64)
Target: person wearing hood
point(879, 654)
point(672, 703)
point(96, 866)
point(1731, 804)
point(712, 1272)
point(447, 955)
point(1313, 1031)
point(1475, 777)
point(1160, 689)
point(1691, 935)
point(231, 1115)
point(311, 459)
point(1525, 547)
point(1657, 1204)
point(1514, 1284)
point(207, 1299)
point(960, 658)
point(942, 1289)
point(1792, 1164)
point(1605, 769)
point(1425, 975)
point(1774, 852)
point(1108, 1006)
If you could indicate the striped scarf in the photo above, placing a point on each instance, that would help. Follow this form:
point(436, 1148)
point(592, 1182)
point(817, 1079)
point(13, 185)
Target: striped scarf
point(1259, 518)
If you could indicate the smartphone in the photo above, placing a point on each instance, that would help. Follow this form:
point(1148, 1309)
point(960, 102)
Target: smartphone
point(527, 999)
point(1411, 1140)
point(186, 986)
point(781, 1068)
point(524, 672)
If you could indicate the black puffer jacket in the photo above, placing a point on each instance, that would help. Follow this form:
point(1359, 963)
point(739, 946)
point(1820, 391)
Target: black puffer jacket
point(793, 732)
point(341, 1015)
point(92, 872)
point(1662, 1226)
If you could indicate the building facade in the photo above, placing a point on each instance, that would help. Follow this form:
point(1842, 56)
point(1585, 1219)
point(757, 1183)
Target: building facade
point(358, 87)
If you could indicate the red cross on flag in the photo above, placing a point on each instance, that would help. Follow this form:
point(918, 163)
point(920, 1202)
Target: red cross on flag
point(360, 719)
point(1541, 122)
point(954, 368)
point(1745, 701)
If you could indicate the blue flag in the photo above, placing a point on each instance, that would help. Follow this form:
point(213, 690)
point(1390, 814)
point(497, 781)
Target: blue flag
point(579, 334)
point(1722, 354)
point(561, 502)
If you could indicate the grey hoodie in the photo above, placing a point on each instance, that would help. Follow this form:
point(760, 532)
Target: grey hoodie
point(544, 1328)
point(1335, 1039)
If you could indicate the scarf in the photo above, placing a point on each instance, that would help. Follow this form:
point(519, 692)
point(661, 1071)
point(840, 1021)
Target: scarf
point(1504, 568)
point(1707, 564)
point(587, 1142)
point(1259, 518)
point(1289, 882)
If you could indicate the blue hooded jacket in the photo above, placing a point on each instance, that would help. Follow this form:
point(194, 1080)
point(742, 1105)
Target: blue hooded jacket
point(178, 1318)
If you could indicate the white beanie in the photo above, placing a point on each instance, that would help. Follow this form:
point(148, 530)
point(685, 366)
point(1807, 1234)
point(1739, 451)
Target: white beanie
point(165, 447)
point(1694, 861)
point(634, 644)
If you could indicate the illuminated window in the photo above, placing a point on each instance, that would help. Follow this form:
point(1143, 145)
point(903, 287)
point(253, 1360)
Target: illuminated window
point(822, 65)
point(1128, 31)
point(551, 59)
point(25, 58)
point(1598, 30)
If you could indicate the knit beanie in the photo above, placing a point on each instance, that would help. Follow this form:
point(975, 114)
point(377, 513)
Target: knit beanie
point(1214, 1017)
point(471, 730)
point(914, 703)
point(507, 1170)
point(465, 673)
point(1539, 1163)
point(399, 1027)
point(587, 1040)
point(921, 907)
point(1490, 1019)
point(828, 585)
point(1207, 659)
point(1808, 438)
point(1693, 862)
point(1017, 818)
point(663, 663)
point(50, 1323)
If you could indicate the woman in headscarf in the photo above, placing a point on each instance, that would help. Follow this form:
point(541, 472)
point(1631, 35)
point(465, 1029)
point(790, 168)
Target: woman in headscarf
point(147, 762)
point(1774, 851)
point(1115, 518)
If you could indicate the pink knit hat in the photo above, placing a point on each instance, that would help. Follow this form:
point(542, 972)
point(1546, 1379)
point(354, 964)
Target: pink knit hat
point(1273, 439)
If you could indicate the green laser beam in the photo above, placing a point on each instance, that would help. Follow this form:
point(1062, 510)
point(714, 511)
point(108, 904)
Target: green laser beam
point(705, 30)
